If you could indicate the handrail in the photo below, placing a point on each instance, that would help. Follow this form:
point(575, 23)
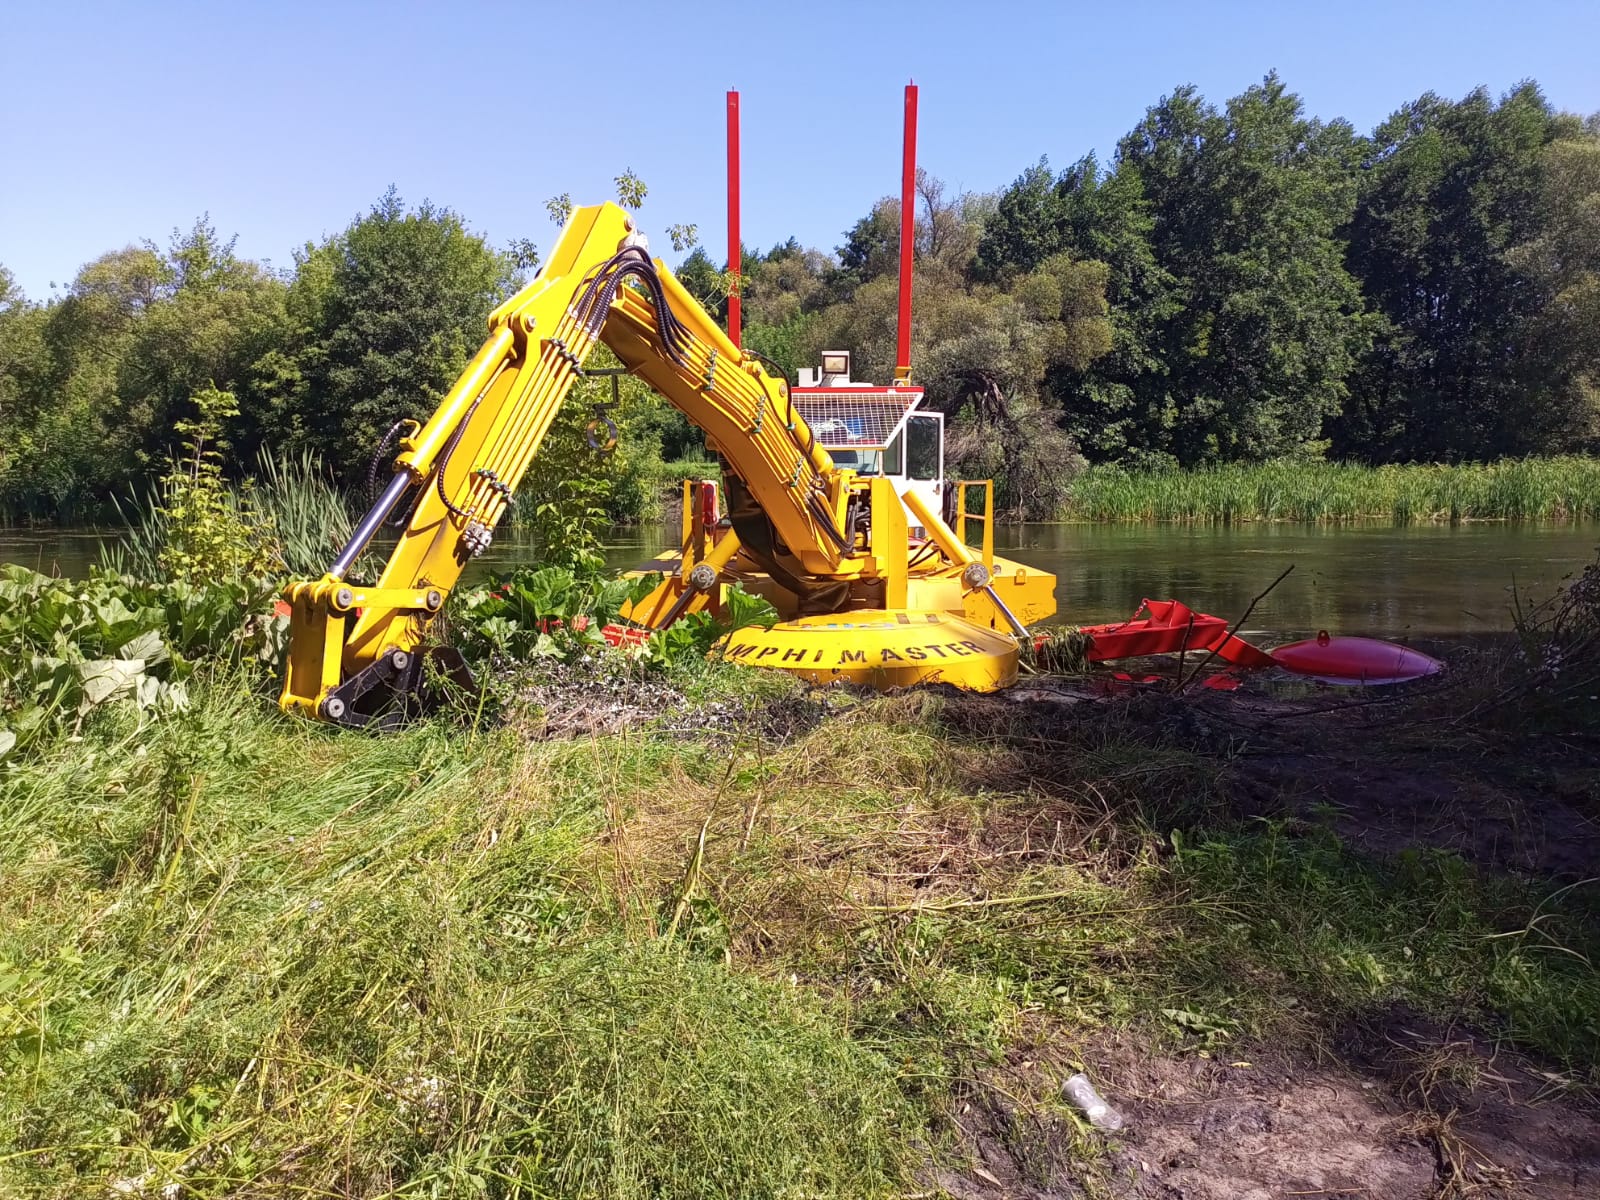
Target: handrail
point(987, 516)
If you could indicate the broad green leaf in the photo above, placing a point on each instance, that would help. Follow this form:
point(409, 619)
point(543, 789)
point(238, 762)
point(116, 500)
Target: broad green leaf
point(147, 646)
point(105, 678)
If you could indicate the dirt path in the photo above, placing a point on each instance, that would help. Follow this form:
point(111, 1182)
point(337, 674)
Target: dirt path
point(1401, 1112)
point(1396, 1111)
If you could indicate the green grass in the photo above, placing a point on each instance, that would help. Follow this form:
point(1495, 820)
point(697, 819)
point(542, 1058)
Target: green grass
point(257, 956)
point(672, 474)
point(249, 956)
point(1547, 489)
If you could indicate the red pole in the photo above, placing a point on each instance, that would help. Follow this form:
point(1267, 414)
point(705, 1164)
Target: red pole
point(734, 246)
point(908, 230)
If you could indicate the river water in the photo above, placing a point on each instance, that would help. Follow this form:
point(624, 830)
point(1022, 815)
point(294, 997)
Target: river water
point(1424, 580)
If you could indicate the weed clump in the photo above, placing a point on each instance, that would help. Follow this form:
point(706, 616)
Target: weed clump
point(540, 645)
point(1558, 652)
point(212, 534)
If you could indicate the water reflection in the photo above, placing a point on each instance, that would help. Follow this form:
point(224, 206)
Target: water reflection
point(1366, 579)
point(1374, 580)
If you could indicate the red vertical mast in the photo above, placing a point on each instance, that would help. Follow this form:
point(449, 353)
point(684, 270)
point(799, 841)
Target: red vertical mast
point(735, 253)
point(908, 229)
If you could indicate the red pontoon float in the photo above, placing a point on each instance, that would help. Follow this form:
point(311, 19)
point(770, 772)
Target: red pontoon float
point(1355, 660)
point(1172, 627)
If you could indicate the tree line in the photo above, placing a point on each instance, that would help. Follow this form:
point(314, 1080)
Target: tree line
point(1241, 283)
point(1247, 283)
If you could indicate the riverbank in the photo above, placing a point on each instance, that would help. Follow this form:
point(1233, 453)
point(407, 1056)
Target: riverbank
point(1533, 489)
point(763, 940)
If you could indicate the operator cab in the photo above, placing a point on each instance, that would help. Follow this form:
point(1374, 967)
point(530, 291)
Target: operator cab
point(874, 430)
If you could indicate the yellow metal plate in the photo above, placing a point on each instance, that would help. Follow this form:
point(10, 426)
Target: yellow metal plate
point(881, 649)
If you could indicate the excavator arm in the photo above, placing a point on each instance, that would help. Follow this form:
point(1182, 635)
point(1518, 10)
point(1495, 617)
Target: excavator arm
point(352, 645)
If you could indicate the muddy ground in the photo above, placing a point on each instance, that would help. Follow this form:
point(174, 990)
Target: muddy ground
point(1425, 765)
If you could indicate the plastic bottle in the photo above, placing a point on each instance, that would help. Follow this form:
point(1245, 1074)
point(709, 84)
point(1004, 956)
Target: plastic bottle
point(1101, 1115)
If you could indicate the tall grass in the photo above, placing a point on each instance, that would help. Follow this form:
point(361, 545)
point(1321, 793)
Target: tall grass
point(295, 495)
point(256, 960)
point(311, 515)
point(1542, 489)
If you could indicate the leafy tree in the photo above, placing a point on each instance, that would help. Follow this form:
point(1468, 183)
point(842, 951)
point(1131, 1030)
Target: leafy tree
point(560, 208)
point(704, 281)
point(104, 374)
point(949, 225)
point(383, 318)
point(778, 292)
point(116, 288)
point(631, 190)
point(1235, 322)
point(213, 316)
point(23, 361)
point(786, 282)
point(64, 383)
point(523, 254)
point(20, 346)
point(1117, 410)
point(11, 295)
point(1561, 354)
point(1028, 224)
point(21, 350)
point(786, 347)
point(1274, 322)
point(1449, 190)
point(871, 248)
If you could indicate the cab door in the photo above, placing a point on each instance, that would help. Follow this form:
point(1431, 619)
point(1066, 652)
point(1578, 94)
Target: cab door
point(924, 458)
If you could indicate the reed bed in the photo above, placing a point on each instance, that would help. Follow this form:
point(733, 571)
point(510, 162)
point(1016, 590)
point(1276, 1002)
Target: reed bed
point(293, 494)
point(1531, 489)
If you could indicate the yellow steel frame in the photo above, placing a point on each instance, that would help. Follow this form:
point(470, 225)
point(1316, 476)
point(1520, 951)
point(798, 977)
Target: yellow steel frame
point(986, 517)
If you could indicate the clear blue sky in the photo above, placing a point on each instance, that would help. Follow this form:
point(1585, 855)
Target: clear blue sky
point(285, 120)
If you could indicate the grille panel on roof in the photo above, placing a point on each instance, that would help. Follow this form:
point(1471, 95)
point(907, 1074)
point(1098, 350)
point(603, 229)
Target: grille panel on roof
point(850, 418)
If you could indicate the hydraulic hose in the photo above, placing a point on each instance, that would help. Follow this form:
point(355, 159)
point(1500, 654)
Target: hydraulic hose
point(377, 457)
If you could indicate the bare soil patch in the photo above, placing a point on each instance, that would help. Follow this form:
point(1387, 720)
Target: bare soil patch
point(1398, 1110)
point(1389, 769)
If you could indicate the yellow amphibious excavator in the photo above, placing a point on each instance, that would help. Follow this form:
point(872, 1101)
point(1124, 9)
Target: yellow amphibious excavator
point(833, 511)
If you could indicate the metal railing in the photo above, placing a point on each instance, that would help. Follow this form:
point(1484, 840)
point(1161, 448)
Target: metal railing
point(986, 516)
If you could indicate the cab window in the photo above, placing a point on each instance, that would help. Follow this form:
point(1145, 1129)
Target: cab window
point(862, 462)
point(892, 456)
point(922, 448)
